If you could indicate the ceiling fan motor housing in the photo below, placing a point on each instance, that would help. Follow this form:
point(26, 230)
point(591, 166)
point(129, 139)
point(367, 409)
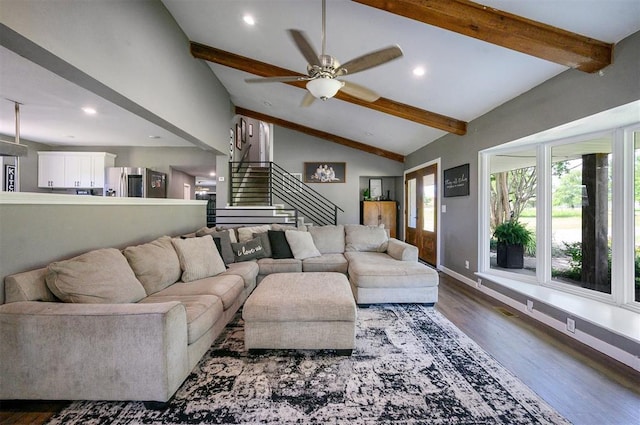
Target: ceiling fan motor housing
point(327, 70)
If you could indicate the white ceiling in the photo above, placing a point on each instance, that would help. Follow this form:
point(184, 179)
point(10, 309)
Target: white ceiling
point(464, 78)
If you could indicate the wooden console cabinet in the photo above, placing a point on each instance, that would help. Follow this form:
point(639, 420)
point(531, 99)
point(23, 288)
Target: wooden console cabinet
point(374, 213)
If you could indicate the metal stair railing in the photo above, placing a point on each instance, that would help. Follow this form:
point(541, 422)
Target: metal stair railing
point(259, 183)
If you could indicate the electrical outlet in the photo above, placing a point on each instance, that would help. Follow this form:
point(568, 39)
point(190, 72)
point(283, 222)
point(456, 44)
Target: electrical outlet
point(444, 208)
point(466, 264)
point(571, 325)
point(479, 283)
point(529, 305)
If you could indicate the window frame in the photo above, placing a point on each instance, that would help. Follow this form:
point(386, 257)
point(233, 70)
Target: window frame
point(622, 211)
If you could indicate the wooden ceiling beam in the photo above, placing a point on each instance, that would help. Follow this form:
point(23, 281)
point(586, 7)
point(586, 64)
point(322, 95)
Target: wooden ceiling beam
point(384, 105)
point(320, 134)
point(505, 30)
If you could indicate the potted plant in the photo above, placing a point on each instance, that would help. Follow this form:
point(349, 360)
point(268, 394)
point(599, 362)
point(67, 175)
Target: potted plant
point(512, 237)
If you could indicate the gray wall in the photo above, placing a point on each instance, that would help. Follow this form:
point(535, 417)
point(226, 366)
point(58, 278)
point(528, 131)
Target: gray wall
point(565, 98)
point(292, 149)
point(131, 53)
point(177, 180)
point(31, 236)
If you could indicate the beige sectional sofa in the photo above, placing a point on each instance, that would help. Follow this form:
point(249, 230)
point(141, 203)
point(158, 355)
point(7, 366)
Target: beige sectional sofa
point(132, 324)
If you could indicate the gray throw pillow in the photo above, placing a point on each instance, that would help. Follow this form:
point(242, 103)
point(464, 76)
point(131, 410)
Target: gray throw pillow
point(266, 245)
point(301, 244)
point(249, 250)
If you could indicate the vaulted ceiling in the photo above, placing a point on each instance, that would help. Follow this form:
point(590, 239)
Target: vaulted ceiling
point(475, 58)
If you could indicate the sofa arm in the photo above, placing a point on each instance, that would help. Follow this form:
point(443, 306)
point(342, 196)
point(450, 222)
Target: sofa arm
point(402, 251)
point(58, 351)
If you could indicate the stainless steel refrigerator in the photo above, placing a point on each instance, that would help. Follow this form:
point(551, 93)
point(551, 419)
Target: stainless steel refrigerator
point(135, 182)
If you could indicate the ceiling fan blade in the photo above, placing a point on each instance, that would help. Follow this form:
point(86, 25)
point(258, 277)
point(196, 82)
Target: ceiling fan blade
point(369, 60)
point(277, 79)
point(360, 92)
point(305, 47)
point(307, 100)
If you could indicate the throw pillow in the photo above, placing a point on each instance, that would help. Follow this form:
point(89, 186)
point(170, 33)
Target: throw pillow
point(246, 233)
point(249, 250)
point(155, 264)
point(226, 250)
point(102, 276)
point(301, 244)
point(279, 245)
point(328, 239)
point(365, 238)
point(199, 258)
point(266, 245)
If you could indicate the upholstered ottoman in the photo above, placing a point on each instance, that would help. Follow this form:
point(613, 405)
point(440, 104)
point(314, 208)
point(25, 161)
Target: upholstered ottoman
point(301, 311)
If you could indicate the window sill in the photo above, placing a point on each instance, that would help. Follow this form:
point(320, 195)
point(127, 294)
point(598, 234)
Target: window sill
point(615, 319)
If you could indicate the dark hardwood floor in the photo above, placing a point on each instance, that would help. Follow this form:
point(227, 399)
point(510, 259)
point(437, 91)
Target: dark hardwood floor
point(587, 387)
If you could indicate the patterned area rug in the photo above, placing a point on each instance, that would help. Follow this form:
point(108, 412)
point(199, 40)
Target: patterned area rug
point(410, 366)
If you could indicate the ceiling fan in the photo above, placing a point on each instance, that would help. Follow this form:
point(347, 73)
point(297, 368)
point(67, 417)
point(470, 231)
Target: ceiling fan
point(323, 70)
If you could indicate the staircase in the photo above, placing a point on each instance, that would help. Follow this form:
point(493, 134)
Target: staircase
point(268, 189)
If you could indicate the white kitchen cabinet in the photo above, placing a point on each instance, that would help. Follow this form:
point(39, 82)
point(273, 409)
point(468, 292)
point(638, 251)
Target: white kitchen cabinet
point(76, 170)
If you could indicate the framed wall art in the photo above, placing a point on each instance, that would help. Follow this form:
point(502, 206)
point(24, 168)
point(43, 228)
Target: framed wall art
point(375, 188)
point(456, 181)
point(238, 138)
point(325, 172)
point(243, 130)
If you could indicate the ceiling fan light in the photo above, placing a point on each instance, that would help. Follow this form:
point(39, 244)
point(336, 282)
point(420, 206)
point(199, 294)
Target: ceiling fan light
point(324, 88)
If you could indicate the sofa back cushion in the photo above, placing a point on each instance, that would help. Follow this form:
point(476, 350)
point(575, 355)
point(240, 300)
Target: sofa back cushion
point(328, 239)
point(155, 264)
point(246, 233)
point(102, 276)
point(365, 238)
point(199, 258)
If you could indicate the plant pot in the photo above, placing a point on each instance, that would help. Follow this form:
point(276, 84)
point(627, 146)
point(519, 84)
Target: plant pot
point(510, 256)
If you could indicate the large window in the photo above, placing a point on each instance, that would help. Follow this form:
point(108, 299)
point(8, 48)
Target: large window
point(513, 186)
point(580, 199)
point(581, 213)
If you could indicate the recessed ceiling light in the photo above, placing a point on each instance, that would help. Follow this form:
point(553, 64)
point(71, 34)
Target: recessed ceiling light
point(212, 174)
point(89, 111)
point(267, 103)
point(418, 71)
point(154, 137)
point(248, 19)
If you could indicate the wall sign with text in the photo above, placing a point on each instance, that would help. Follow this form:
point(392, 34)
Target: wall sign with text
point(456, 181)
point(10, 178)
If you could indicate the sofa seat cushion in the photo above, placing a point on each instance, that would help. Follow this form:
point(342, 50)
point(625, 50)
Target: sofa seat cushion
point(99, 276)
point(226, 287)
point(326, 263)
point(279, 265)
point(301, 297)
point(155, 264)
point(203, 311)
point(378, 270)
point(247, 270)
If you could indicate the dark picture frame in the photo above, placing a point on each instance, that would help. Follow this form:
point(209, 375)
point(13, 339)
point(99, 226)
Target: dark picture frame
point(9, 178)
point(243, 130)
point(238, 138)
point(325, 172)
point(455, 181)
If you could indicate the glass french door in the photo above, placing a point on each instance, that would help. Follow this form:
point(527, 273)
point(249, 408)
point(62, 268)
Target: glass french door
point(421, 214)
